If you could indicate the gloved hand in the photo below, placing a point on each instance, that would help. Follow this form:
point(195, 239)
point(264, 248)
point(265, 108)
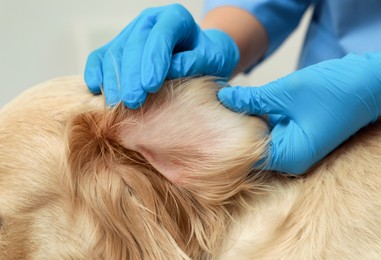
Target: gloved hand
point(163, 42)
point(313, 110)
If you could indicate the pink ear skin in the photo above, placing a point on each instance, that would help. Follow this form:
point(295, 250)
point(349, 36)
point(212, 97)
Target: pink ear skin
point(186, 134)
point(163, 164)
point(167, 140)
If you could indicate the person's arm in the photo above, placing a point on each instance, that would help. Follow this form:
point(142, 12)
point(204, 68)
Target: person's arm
point(244, 28)
point(257, 27)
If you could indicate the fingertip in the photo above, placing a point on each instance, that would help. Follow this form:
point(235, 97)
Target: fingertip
point(111, 76)
point(93, 74)
point(224, 94)
point(152, 85)
point(134, 99)
point(111, 91)
point(93, 81)
point(133, 95)
point(153, 76)
point(132, 106)
point(228, 97)
point(112, 99)
point(254, 100)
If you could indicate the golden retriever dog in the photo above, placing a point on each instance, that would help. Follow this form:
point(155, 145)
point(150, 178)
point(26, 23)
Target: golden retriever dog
point(173, 180)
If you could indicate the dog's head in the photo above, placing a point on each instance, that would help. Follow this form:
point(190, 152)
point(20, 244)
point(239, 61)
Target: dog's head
point(79, 180)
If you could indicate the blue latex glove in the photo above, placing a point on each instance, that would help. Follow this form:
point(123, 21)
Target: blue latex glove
point(163, 42)
point(313, 110)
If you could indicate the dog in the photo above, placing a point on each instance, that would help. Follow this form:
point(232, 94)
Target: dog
point(173, 180)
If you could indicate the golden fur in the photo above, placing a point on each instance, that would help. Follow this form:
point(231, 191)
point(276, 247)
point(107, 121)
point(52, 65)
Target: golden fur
point(173, 180)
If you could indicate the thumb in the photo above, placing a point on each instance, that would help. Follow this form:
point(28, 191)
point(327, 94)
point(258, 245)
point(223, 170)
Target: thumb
point(254, 100)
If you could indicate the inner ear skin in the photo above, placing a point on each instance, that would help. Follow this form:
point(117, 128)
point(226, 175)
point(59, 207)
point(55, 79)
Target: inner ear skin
point(163, 164)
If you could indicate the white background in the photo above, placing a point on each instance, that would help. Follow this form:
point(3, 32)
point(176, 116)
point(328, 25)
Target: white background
point(43, 39)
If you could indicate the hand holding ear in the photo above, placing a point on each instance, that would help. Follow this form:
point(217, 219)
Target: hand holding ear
point(313, 110)
point(163, 42)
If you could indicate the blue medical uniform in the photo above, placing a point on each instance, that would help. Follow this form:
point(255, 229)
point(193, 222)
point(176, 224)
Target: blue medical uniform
point(337, 27)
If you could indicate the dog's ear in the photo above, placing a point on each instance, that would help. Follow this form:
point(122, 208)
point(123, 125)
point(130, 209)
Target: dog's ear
point(118, 158)
point(121, 197)
point(189, 137)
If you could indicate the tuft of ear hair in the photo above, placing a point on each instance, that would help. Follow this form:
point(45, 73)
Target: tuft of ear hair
point(161, 182)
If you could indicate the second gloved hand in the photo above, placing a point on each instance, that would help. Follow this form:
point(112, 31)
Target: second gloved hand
point(163, 42)
point(313, 110)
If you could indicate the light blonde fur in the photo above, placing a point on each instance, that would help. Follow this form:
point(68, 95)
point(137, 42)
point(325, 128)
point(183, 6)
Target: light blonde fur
point(173, 180)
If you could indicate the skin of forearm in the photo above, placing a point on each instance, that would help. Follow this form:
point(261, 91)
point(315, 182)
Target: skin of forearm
point(244, 28)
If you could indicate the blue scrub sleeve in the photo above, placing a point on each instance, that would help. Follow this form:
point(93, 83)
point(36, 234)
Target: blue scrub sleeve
point(278, 17)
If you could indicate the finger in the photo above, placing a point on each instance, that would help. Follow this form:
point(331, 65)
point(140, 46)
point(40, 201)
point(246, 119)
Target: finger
point(174, 28)
point(275, 159)
point(94, 65)
point(197, 62)
point(269, 99)
point(132, 92)
point(276, 155)
point(290, 148)
point(189, 63)
point(111, 73)
point(207, 58)
point(93, 70)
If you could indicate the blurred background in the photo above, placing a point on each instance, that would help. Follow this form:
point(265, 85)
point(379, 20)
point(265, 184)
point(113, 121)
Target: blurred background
point(43, 39)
